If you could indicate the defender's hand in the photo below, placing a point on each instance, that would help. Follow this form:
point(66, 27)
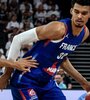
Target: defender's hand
point(24, 64)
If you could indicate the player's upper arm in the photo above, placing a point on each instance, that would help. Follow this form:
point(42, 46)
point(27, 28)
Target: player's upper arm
point(86, 34)
point(54, 30)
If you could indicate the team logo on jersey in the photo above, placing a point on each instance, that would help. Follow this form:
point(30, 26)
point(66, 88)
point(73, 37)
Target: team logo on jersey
point(51, 70)
point(31, 92)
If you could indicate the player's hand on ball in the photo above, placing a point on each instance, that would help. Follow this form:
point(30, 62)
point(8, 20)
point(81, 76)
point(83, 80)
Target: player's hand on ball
point(24, 64)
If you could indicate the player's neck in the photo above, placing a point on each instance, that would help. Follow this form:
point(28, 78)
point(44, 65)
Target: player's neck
point(75, 30)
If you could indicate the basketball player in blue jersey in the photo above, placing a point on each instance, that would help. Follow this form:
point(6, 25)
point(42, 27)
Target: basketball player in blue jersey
point(54, 42)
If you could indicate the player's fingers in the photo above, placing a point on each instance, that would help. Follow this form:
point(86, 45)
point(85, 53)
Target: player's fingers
point(28, 57)
point(29, 61)
point(33, 66)
point(29, 64)
point(26, 70)
point(32, 60)
point(32, 63)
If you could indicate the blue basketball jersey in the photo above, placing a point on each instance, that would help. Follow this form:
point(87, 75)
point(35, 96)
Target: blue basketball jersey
point(49, 54)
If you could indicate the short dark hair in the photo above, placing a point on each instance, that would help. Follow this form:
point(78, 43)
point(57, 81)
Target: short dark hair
point(81, 2)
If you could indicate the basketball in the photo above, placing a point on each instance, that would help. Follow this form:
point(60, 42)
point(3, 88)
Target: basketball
point(87, 96)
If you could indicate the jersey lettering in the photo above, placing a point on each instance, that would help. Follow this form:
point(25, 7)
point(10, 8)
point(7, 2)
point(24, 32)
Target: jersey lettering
point(66, 46)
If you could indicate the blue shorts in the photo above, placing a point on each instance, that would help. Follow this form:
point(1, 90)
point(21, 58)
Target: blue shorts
point(38, 93)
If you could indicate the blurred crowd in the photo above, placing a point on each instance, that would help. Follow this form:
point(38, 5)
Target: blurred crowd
point(17, 16)
point(63, 80)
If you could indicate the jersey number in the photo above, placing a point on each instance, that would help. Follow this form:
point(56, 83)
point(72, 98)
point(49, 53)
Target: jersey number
point(62, 55)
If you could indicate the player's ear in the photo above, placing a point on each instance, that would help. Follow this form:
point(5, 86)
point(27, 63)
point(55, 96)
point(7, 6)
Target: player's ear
point(71, 11)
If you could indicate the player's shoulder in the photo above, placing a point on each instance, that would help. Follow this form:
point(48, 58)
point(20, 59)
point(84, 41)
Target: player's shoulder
point(53, 30)
point(58, 26)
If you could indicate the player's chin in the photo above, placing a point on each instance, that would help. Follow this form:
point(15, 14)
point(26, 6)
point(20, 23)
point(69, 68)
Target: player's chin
point(79, 25)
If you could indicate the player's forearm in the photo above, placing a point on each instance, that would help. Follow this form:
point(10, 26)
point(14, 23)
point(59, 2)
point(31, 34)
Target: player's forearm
point(67, 66)
point(7, 73)
point(2, 62)
point(6, 63)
